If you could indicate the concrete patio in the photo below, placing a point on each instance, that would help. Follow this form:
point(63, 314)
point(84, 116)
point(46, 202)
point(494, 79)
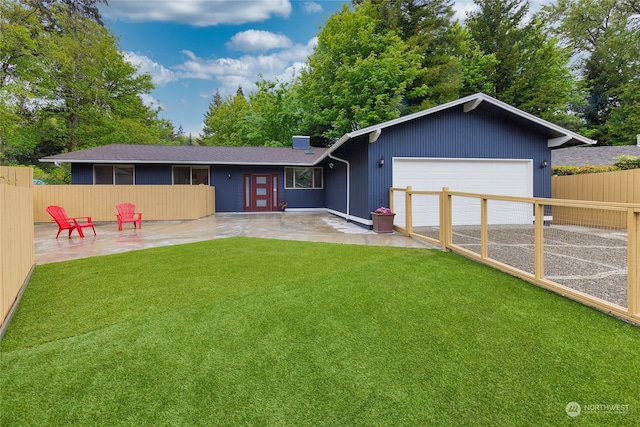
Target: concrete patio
point(316, 227)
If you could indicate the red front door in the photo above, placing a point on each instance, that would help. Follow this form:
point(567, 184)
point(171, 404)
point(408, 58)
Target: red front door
point(261, 192)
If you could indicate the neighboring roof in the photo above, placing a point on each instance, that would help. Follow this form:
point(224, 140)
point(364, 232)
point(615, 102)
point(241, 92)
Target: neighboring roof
point(558, 136)
point(183, 154)
point(594, 156)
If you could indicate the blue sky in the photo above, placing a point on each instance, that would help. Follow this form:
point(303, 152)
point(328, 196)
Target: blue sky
point(194, 47)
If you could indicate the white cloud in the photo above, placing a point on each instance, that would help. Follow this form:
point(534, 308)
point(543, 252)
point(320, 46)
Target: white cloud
point(150, 101)
point(197, 13)
point(243, 71)
point(310, 7)
point(258, 41)
point(159, 74)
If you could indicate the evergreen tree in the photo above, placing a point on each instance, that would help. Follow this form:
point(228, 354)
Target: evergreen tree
point(427, 27)
point(523, 66)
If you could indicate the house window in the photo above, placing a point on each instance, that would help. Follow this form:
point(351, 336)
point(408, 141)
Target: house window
point(303, 178)
point(190, 175)
point(113, 174)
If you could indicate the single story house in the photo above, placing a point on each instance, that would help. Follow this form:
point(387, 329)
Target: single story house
point(476, 143)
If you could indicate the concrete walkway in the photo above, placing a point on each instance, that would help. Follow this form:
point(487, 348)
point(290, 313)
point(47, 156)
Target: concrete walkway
point(316, 227)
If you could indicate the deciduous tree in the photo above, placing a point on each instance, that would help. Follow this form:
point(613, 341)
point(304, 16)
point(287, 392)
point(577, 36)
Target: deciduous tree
point(604, 36)
point(358, 75)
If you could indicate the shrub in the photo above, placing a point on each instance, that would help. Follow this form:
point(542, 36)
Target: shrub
point(578, 170)
point(627, 162)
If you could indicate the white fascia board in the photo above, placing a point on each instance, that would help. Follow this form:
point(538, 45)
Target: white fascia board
point(180, 162)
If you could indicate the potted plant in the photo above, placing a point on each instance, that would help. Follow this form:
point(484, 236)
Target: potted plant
point(283, 205)
point(383, 220)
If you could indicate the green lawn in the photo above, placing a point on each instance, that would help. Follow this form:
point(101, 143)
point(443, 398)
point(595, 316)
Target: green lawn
point(245, 331)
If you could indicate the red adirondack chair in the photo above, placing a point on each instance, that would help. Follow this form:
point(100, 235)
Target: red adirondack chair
point(127, 213)
point(65, 223)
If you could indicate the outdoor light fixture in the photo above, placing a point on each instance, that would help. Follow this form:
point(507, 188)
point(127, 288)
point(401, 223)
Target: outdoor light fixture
point(544, 164)
point(330, 165)
point(229, 175)
point(381, 162)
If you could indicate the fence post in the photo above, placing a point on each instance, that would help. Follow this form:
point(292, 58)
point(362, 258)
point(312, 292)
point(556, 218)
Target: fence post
point(445, 219)
point(538, 247)
point(633, 262)
point(408, 211)
point(484, 228)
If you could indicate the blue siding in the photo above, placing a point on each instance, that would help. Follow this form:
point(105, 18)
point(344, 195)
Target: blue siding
point(230, 190)
point(81, 174)
point(455, 134)
point(335, 186)
point(153, 174)
point(355, 152)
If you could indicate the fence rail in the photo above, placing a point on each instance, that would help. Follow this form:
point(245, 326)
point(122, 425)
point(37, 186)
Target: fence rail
point(594, 262)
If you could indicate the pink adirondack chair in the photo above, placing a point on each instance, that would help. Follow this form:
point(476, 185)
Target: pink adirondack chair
point(65, 223)
point(127, 213)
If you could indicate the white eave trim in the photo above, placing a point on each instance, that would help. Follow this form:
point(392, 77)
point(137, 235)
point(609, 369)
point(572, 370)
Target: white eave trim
point(373, 136)
point(559, 141)
point(471, 105)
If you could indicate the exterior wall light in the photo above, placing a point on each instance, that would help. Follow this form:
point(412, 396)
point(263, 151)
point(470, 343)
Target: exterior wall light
point(381, 162)
point(544, 164)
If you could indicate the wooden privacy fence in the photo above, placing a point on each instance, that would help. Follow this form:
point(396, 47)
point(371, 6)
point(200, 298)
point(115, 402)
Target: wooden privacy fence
point(156, 202)
point(598, 265)
point(17, 254)
point(618, 186)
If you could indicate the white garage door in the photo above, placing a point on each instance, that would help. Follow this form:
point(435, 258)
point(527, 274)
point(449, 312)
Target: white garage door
point(488, 176)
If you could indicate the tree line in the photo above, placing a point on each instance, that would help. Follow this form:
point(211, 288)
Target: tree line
point(65, 85)
point(574, 63)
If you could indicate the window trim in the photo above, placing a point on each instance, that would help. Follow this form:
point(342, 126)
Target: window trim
point(313, 178)
point(113, 172)
point(191, 167)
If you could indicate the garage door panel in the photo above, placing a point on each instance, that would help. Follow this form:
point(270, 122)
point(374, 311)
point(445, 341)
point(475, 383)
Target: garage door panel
point(486, 176)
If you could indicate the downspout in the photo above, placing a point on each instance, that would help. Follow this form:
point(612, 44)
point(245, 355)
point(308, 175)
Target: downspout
point(348, 218)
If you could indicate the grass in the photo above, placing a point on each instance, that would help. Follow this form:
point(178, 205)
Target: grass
point(245, 331)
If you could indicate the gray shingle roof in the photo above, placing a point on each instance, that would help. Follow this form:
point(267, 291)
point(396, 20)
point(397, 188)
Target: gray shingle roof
point(594, 156)
point(126, 153)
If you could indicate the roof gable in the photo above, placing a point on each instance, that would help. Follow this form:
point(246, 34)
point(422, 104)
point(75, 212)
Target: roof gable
point(557, 135)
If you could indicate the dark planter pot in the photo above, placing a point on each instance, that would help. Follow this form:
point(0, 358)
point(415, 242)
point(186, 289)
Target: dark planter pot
point(382, 223)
